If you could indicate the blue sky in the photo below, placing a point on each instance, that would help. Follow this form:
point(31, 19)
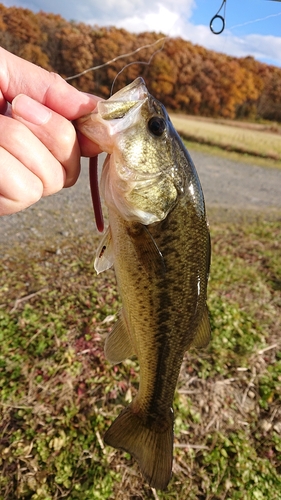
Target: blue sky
point(245, 13)
point(253, 27)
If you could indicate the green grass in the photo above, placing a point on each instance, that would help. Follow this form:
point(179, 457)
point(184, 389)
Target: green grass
point(59, 395)
point(243, 139)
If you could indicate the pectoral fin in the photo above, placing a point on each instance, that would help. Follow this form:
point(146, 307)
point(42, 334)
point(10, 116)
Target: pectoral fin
point(118, 345)
point(203, 332)
point(104, 256)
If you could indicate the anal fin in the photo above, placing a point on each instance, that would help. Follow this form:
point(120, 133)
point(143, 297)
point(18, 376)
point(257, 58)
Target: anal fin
point(118, 345)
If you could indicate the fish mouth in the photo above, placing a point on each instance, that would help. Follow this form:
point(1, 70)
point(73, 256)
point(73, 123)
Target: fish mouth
point(108, 114)
point(125, 103)
point(135, 91)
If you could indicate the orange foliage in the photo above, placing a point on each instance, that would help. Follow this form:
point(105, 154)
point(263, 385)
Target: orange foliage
point(183, 76)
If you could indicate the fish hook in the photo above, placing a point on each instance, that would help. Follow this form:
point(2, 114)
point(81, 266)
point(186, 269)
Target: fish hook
point(217, 16)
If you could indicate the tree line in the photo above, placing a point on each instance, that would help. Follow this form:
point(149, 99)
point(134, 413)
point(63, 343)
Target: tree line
point(184, 76)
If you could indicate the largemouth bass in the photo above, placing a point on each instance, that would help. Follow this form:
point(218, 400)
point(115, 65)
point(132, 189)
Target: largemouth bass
point(158, 241)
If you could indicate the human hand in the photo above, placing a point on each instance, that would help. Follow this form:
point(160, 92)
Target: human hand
point(39, 148)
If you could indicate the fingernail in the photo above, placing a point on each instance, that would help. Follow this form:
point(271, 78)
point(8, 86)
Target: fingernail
point(30, 110)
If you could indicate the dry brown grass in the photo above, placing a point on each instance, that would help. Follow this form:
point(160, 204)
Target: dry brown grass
point(255, 140)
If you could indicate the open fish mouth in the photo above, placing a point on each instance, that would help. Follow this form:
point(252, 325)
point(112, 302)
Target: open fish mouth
point(135, 91)
point(126, 102)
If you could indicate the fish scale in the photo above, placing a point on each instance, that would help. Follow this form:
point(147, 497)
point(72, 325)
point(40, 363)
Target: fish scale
point(158, 242)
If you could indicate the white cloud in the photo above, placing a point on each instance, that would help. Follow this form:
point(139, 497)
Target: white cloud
point(145, 15)
point(265, 47)
point(262, 47)
point(109, 12)
point(161, 20)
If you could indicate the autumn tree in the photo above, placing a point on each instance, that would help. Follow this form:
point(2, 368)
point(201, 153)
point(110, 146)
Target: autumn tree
point(22, 35)
point(269, 105)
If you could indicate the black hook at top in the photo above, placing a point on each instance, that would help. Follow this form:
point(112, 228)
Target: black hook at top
point(216, 17)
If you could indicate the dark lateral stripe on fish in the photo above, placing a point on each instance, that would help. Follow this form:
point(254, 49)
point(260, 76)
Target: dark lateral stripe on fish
point(162, 355)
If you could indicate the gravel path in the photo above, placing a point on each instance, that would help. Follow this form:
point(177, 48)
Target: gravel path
point(229, 187)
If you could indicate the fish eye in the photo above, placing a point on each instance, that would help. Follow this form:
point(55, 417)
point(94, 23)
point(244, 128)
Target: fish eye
point(157, 125)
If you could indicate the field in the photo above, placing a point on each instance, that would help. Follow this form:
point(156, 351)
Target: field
point(255, 140)
point(59, 394)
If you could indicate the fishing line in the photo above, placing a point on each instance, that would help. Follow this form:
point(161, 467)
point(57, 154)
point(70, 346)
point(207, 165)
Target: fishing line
point(255, 20)
point(145, 63)
point(122, 56)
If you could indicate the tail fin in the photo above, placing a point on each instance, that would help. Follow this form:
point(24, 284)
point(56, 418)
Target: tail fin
point(151, 446)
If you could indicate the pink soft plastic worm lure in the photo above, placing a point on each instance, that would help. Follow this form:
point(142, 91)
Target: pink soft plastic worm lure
point(94, 186)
